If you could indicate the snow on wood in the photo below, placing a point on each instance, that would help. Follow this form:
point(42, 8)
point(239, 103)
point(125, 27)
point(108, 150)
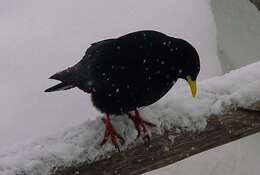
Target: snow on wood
point(233, 124)
point(183, 124)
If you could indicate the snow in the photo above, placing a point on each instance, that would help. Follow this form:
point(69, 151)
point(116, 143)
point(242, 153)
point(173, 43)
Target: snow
point(36, 44)
point(238, 34)
point(82, 142)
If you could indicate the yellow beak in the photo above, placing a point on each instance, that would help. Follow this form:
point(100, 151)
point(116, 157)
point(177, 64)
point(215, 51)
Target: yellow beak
point(193, 86)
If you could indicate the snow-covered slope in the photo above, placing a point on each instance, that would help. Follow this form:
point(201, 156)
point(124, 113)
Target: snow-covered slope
point(82, 143)
point(238, 34)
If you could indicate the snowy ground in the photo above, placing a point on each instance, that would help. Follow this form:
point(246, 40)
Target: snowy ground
point(40, 38)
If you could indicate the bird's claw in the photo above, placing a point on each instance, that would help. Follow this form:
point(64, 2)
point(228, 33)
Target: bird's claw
point(140, 123)
point(110, 132)
point(117, 147)
point(138, 134)
point(147, 138)
point(121, 140)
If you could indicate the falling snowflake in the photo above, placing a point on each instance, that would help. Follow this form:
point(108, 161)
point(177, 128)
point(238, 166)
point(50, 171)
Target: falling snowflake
point(117, 90)
point(89, 83)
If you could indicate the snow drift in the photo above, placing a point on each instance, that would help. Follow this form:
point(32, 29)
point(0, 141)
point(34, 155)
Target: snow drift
point(238, 34)
point(82, 143)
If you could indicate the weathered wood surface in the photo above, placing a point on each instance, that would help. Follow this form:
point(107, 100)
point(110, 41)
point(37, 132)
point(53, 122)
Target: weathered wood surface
point(233, 124)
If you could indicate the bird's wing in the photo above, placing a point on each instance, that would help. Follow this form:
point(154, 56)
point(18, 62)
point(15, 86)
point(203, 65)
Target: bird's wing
point(91, 68)
point(114, 63)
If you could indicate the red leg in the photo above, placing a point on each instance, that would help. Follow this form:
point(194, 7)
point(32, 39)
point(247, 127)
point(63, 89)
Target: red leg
point(112, 133)
point(139, 122)
point(137, 126)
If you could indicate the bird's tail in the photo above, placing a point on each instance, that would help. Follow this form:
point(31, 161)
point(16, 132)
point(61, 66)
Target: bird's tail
point(59, 87)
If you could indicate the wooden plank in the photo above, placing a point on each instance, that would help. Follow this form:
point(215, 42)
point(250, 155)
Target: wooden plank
point(233, 124)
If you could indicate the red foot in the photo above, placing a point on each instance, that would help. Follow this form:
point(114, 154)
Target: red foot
point(112, 133)
point(139, 122)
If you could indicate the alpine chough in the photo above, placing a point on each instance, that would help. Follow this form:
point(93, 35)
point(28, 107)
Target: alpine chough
point(131, 71)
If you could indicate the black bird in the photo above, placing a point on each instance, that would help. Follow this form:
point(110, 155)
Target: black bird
point(129, 72)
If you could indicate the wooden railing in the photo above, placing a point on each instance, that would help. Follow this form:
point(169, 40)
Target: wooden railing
point(233, 124)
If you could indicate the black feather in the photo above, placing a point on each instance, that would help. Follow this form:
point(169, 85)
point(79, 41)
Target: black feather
point(132, 71)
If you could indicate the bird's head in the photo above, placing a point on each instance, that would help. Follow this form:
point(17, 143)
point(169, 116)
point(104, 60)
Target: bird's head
point(189, 64)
